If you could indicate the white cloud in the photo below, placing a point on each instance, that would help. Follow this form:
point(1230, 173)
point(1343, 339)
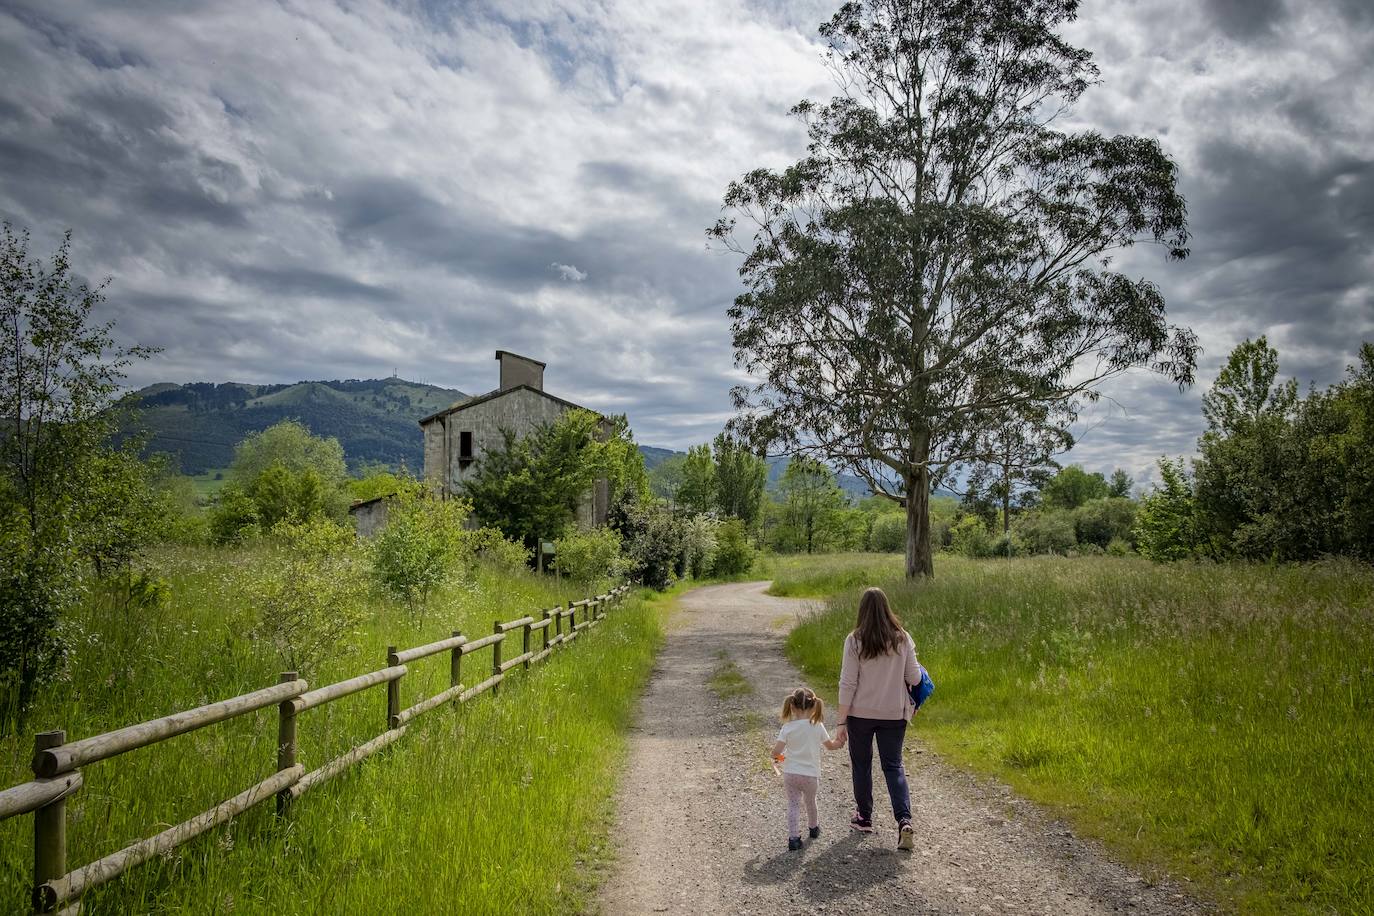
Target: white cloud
point(569, 272)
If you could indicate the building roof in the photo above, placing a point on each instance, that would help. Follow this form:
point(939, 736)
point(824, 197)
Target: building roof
point(501, 353)
point(499, 392)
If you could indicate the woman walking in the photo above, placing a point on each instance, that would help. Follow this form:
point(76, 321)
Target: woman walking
point(875, 705)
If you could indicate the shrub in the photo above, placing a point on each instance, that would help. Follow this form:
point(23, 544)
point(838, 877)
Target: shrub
point(1119, 548)
point(235, 519)
point(652, 540)
point(1100, 521)
point(308, 598)
point(970, 537)
point(734, 554)
point(1046, 532)
point(699, 544)
point(495, 549)
point(590, 557)
point(888, 534)
point(419, 548)
point(1166, 526)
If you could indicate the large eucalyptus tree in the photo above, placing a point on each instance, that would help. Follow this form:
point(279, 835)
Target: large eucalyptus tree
point(943, 251)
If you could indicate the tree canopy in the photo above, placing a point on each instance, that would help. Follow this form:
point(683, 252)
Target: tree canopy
point(944, 251)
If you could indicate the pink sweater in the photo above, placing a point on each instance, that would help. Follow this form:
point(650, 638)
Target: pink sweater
point(875, 688)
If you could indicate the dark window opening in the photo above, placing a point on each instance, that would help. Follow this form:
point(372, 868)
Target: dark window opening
point(465, 448)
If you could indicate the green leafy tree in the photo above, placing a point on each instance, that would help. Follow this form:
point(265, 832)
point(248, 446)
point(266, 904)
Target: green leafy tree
point(734, 554)
point(943, 250)
point(888, 534)
point(531, 487)
point(697, 493)
point(653, 541)
point(1120, 485)
point(1166, 526)
point(60, 373)
point(700, 538)
point(741, 477)
point(1044, 531)
point(1101, 521)
point(1072, 487)
point(809, 496)
point(665, 480)
point(291, 445)
point(421, 546)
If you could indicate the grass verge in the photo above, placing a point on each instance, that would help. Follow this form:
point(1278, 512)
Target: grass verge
point(500, 805)
point(1217, 721)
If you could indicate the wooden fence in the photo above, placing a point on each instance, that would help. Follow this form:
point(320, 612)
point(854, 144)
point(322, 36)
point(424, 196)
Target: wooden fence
point(57, 761)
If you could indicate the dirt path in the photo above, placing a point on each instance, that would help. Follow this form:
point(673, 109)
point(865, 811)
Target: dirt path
point(701, 824)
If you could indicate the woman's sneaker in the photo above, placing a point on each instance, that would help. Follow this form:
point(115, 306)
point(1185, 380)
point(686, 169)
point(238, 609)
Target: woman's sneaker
point(794, 843)
point(861, 824)
point(906, 836)
point(815, 832)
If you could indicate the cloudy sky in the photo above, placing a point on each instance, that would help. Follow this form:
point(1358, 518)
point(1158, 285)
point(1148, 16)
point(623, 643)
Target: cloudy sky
point(303, 190)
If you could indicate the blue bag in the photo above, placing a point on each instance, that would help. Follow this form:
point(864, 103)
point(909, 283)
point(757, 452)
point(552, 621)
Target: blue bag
point(921, 692)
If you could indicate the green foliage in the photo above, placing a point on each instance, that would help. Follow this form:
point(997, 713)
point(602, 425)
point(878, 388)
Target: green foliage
point(700, 535)
point(622, 462)
point(734, 554)
point(1072, 487)
point(419, 548)
point(1209, 719)
point(809, 499)
point(652, 540)
point(943, 250)
point(740, 479)
point(1045, 532)
point(308, 597)
point(1120, 484)
point(1101, 521)
point(378, 482)
point(67, 497)
point(288, 444)
point(970, 537)
point(1166, 526)
point(590, 557)
point(697, 493)
point(493, 548)
point(888, 534)
point(666, 478)
point(531, 487)
point(1119, 547)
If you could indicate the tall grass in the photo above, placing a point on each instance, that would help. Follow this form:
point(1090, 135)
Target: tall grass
point(1215, 720)
point(486, 808)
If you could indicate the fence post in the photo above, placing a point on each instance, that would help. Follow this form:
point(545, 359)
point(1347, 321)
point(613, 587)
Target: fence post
point(393, 692)
point(547, 624)
point(49, 830)
point(286, 742)
point(496, 658)
point(525, 650)
point(455, 663)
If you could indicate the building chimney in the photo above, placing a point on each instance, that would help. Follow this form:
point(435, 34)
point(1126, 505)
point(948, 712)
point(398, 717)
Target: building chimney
point(520, 370)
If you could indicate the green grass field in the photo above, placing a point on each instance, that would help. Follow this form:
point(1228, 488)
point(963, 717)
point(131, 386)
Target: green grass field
point(500, 804)
point(1216, 721)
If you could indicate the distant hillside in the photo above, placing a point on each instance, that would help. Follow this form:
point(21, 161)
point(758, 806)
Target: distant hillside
point(374, 419)
point(852, 486)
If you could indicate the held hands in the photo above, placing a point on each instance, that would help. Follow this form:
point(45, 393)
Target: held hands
point(840, 740)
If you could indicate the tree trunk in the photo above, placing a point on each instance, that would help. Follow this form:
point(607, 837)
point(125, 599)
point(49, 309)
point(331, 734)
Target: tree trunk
point(919, 562)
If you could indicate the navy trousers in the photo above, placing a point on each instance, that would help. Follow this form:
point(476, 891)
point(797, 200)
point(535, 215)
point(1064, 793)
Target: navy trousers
point(889, 734)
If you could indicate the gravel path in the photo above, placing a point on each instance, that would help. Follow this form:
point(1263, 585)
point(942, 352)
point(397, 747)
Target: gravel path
point(701, 824)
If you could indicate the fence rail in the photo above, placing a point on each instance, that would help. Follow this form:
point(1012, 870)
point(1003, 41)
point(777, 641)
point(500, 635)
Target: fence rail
point(56, 761)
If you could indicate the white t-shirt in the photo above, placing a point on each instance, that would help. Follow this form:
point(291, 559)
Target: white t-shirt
point(803, 752)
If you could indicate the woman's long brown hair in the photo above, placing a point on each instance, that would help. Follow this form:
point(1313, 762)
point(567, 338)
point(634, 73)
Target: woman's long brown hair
point(878, 631)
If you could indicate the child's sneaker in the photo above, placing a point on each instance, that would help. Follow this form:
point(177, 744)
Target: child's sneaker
point(815, 832)
point(794, 843)
point(906, 836)
point(861, 824)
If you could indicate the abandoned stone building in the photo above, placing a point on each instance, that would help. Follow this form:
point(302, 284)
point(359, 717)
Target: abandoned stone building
point(457, 437)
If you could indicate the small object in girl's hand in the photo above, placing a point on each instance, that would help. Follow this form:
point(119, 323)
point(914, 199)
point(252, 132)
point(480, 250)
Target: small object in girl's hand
point(777, 759)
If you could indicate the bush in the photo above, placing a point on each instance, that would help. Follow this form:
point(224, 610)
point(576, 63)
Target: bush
point(495, 549)
point(1046, 532)
point(235, 519)
point(888, 534)
point(419, 548)
point(970, 537)
point(652, 540)
point(734, 554)
point(590, 557)
point(308, 599)
point(699, 545)
point(1166, 526)
point(1101, 521)
point(1119, 548)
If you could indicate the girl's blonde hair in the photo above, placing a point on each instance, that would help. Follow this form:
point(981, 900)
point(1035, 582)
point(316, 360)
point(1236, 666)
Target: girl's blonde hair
point(801, 701)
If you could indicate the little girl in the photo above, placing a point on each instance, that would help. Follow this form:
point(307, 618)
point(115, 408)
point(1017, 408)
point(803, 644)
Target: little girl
point(799, 748)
